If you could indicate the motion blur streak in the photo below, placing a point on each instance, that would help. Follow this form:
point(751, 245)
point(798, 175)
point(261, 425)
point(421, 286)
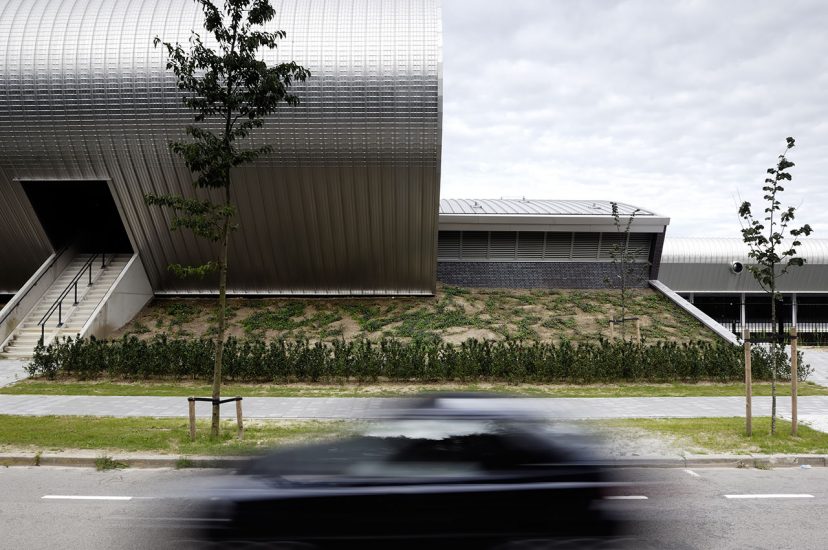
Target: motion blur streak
point(445, 473)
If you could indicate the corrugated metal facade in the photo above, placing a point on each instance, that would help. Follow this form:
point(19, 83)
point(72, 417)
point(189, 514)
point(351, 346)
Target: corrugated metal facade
point(534, 207)
point(346, 205)
point(544, 215)
point(704, 265)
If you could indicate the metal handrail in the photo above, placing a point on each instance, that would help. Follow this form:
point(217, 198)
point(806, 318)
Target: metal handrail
point(58, 304)
point(55, 259)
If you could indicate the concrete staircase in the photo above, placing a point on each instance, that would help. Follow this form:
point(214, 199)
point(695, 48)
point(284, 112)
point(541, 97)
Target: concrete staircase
point(23, 340)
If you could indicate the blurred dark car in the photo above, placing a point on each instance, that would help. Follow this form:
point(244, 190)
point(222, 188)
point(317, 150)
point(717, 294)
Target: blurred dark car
point(449, 473)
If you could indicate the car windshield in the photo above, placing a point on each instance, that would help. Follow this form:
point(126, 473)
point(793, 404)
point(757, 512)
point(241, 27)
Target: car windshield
point(432, 429)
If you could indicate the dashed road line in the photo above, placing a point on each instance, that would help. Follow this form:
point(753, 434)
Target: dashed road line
point(771, 495)
point(84, 497)
point(627, 497)
point(692, 473)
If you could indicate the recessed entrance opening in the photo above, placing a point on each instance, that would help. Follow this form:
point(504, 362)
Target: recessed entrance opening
point(82, 213)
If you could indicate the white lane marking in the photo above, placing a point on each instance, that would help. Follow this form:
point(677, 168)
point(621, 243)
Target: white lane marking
point(627, 497)
point(83, 497)
point(692, 473)
point(772, 495)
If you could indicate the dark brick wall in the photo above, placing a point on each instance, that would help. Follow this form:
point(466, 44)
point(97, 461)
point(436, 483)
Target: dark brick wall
point(532, 274)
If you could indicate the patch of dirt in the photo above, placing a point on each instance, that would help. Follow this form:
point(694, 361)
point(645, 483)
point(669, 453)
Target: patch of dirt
point(634, 442)
point(456, 313)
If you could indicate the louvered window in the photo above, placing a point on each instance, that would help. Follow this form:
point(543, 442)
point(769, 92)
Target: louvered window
point(558, 246)
point(502, 245)
point(475, 245)
point(448, 245)
point(530, 245)
point(612, 242)
point(640, 244)
point(585, 246)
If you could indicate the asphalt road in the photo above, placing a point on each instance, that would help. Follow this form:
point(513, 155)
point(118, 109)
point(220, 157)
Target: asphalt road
point(704, 508)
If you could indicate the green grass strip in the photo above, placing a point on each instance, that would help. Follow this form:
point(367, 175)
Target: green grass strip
point(727, 435)
point(155, 435)
point(183, 389)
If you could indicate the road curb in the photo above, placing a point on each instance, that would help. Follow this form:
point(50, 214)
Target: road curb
point(106, 461)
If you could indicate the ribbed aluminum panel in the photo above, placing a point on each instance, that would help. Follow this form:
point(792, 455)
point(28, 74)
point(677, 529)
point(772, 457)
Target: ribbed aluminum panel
point(347, 203)
point(725, 250)
point(23, 244)
point(704, 265)
point(516, 207)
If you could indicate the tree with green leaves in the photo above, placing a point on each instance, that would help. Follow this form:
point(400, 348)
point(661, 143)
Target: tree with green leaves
point(772, 245)
point(231, 90)
point(623, 261)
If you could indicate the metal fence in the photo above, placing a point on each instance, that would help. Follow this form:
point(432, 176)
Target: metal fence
point(811, 317)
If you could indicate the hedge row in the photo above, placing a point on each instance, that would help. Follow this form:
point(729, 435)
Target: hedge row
point(422, 361)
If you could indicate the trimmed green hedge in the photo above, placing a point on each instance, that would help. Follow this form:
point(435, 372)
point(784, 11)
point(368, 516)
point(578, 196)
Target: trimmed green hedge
point(422, 361)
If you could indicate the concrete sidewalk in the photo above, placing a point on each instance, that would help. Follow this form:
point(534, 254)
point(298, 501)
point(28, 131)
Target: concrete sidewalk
point(11, 371)
point(818, 359)
point(367, 408)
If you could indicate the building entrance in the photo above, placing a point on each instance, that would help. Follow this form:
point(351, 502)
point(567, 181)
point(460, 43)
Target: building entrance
point(82, 213)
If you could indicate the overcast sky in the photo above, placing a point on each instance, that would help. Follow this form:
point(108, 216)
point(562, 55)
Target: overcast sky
point(678, 107)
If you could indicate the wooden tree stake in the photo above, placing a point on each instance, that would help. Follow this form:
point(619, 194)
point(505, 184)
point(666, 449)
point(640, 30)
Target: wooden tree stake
point(239, 417)
point(748, 385)
point(794, 381)
point(192, 418)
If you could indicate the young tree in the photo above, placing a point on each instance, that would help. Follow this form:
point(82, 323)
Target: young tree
point(230, 91)
point(623, 261)
point(772, 245)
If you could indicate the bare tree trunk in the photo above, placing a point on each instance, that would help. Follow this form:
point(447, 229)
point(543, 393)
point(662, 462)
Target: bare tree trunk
point(222, 308)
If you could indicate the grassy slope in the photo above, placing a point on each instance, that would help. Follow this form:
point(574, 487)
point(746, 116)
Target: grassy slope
point(454, 315)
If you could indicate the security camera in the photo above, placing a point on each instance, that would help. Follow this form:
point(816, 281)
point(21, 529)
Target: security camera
point(736, 267)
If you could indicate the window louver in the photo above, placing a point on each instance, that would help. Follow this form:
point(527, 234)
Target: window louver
point(502, 245)
point(611, 242)
point(448, 245)
point(530, 245)
point(537, 245)
point(585, 246)
point(640, 243)
point(558, 246)
point(475, 245)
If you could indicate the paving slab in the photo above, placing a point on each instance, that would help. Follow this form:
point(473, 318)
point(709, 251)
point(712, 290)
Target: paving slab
point(818, 359)
point(11, 371)
point(378, 407)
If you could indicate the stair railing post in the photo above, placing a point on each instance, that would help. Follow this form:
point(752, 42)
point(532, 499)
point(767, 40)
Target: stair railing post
point(60, 313)
point(90, 274)
point(103, 258)
point(76, 293)
point(42, 333)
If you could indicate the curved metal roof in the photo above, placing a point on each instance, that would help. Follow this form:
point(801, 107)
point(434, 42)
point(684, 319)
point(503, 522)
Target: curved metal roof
point(704, 265)
point(725, 250)
point(346, 203)
point(532, 207)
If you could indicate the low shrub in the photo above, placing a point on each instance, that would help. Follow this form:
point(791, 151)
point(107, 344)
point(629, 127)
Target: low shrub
point(421, 360)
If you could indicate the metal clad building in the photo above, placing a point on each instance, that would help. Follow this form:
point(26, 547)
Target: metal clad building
point(524, 243)
point(347, 204)
point(708, 265)
point(713, 274)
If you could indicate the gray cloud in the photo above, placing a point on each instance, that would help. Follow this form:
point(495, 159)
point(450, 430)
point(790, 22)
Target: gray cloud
point(678, 107)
